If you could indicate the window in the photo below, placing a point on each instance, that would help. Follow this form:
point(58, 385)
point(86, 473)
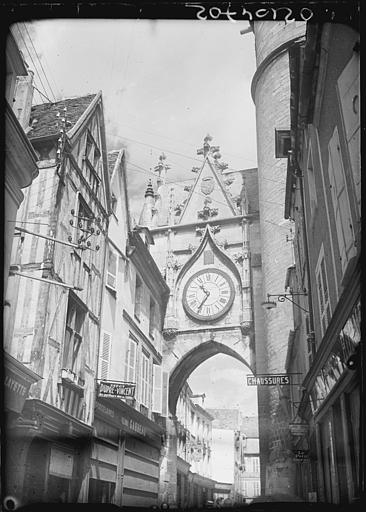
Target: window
point(105, 355)
point(114, 203)
point(131, 361)
point(323, 292)
point(89, 147)
point(340, 199)
point(152, 317)
point(282, 143)
point(311, 182)
point(138, 297)
point(157, 389)
point(112, 269)
point(96, 158)
point(256, 464)
point(256, 488)
point(73, 336)
point(145, 379)
point(84, 221)
point(310, 340)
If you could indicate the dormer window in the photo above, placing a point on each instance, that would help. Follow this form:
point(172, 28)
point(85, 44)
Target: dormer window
point(113, 203)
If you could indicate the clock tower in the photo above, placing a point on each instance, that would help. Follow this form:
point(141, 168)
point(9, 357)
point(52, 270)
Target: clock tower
point(207, 246)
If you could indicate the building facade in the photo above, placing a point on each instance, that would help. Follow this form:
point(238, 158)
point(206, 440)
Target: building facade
point(324, 199)
point(21, 159)
point(236, 454)
point(194, 452)
point(54, 294)
point(247, 460)
point(20, 170)
point(129, 429)
point(207, 247)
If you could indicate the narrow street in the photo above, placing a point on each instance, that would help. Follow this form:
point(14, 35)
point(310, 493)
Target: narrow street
point(182, 238)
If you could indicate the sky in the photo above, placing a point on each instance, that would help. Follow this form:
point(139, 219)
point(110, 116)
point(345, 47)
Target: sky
point(165, 85)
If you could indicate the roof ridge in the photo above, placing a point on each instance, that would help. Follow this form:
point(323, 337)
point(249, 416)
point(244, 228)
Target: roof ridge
point(64, 99)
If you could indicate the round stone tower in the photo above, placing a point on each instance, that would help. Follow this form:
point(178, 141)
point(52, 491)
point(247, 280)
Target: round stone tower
point(271, 95)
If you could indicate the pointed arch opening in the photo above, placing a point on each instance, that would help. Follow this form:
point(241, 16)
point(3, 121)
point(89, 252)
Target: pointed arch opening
point(191, 361)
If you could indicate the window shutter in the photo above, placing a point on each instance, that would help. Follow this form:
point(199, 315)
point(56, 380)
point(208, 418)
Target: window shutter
point(112, 269)
point(341, 206)
point(323, 294)
point(157, 389)
point(349, 97)
point(104, 358)
point(165, 394)
point(131, 366)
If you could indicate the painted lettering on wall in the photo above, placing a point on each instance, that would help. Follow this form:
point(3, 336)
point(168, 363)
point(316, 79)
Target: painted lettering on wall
point(15, 386)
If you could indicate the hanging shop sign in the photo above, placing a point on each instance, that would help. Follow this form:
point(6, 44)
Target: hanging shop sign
point(299, 429)
point(115, 389)
point(301, 455)
point(268, 380)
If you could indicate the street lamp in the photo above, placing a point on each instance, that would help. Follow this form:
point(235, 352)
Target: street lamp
point(281, 297)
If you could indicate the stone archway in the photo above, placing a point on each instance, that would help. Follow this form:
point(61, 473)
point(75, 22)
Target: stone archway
point(188, 361)
point(191, 360)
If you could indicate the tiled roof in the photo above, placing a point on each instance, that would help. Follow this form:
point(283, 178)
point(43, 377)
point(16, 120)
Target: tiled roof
point(249, 426)
point(45, 122)
point(112, 159)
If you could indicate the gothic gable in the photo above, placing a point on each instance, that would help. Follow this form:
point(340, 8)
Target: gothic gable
point(208, 198)
point(209, 245)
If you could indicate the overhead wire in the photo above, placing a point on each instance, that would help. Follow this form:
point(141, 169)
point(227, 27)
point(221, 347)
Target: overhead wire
point(39, 60)
point(35, 67)
point(162, 149)
point(174, 183)
point(180, 141)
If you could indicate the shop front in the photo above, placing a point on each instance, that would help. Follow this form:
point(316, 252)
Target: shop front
point(48, 453)
point(125, 456)
point(334, 416)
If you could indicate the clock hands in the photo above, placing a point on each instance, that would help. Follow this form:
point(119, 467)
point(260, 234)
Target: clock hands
point(205, 298)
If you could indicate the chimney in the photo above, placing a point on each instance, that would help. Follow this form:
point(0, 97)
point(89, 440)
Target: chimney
point(23, 96)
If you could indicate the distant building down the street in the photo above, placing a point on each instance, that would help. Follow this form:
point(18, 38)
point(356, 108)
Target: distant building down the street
point(194, 452)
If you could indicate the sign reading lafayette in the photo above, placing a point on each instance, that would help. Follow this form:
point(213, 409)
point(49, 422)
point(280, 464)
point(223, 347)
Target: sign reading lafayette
point(111, 389)
point(268, 380)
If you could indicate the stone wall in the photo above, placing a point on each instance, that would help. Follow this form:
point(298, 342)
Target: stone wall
point(271, 94)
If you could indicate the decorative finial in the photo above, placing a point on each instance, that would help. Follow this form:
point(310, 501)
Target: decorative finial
point(160, 167)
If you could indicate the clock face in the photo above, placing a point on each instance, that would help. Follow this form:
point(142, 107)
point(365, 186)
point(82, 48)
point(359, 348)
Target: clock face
point(208, 294)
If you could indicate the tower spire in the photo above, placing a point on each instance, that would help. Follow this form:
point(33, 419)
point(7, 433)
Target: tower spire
point(162, 193)
point(148, 208)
